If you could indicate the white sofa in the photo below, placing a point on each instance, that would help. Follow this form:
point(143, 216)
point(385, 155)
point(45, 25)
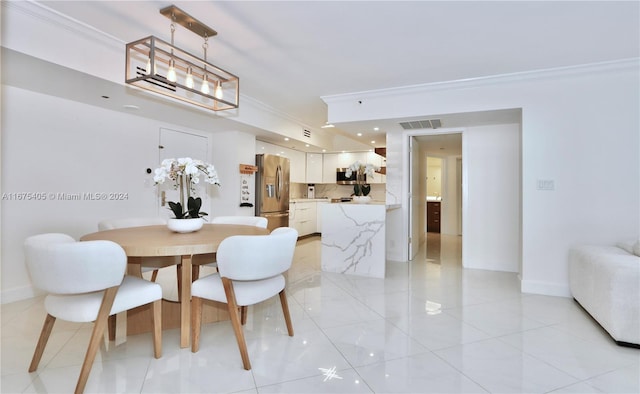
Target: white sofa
point(605, 281)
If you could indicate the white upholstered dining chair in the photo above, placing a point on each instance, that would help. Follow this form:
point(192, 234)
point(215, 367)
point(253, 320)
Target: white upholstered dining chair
point(147, 264)
point(86, 282)
point(250, 269)
point(209, 260)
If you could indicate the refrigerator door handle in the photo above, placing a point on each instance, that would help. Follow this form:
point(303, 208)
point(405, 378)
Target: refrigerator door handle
point(278, 182)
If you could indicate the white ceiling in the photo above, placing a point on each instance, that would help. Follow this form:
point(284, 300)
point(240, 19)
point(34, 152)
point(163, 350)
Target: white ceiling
point(290, 53)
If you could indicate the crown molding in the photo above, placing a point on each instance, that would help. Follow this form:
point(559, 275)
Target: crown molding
point(276, 112)
point(52, 17)
point(615, 65)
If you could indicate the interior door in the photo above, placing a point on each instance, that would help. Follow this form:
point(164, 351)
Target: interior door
point(175, 144)
point(414, 198)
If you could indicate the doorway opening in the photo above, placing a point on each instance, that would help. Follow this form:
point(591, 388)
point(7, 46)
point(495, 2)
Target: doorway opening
point(437, 187)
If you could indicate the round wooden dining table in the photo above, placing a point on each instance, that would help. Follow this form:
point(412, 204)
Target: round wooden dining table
point(159, 241)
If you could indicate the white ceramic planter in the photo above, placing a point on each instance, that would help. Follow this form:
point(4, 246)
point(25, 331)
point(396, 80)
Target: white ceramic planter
point(185, 225)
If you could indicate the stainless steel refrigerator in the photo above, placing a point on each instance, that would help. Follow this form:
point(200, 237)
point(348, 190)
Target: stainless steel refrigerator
point(272, 190)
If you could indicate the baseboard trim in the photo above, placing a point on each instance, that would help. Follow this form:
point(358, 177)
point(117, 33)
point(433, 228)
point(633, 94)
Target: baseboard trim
point(545, 288)
point(19, 294)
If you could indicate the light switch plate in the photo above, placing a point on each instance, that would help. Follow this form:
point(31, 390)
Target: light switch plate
point(545, 184)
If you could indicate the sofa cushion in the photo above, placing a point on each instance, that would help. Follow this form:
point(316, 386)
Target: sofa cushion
point(605, 280)
point(627, 245)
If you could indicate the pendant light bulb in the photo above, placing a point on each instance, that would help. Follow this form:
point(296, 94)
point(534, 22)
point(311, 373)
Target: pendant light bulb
point(205, 85)
point(171, 74)
point(149, 71)
point(218, 92)
point(189, 81)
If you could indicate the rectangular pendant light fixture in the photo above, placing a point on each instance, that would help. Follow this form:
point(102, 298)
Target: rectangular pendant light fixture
point(158, 66)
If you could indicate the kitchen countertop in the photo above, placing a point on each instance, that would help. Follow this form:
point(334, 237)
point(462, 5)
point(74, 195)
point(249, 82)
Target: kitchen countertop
point(389, 206)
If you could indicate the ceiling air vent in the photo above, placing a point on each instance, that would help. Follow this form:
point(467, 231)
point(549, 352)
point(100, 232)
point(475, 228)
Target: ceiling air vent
point(421, 124)
point(306, 133)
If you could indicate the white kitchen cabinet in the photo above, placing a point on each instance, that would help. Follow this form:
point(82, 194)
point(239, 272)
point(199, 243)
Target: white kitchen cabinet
point(314, 168)
point(303, 217)
point(332, 161)
point(297, 159)
point(378, 161)
point(329, 165)
point(298, 164)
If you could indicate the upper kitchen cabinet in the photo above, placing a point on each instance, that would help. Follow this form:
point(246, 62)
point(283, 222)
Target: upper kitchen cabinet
point(381, 163)
point(314, 167)
point(297, 160)
point(332, 161)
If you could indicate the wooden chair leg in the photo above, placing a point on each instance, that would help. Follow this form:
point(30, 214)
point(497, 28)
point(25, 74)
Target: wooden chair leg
point(111, 326)
point(235, 322)
point(285, 310)
point(96, 336)
point(42, 342)
point(195, 272)
point(243, 315)
point(179, 279)
point(154, 275)
point(157, 328)
point(196, 321)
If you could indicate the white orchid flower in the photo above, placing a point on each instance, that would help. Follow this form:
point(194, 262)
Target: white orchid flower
point(167, 164)
point(191, 168)
point(183, 161)
point(160, 175)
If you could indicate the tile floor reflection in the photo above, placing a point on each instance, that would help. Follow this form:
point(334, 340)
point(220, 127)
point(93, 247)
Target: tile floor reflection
point(429, 327)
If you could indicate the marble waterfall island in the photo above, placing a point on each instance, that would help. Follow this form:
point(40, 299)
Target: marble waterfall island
point(353, 239)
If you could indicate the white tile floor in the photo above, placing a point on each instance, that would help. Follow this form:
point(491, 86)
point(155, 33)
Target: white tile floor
point(430, 326)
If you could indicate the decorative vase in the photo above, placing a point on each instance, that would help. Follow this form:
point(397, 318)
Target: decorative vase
point(361, 199)
point(185, 225)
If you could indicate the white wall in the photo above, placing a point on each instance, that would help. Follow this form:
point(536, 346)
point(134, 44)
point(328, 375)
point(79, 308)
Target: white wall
point(579, 129)
point(434, 176)
point(491, 226)
point(450, 209)
point(55, 146)
point(230, 149)
point(397, 220)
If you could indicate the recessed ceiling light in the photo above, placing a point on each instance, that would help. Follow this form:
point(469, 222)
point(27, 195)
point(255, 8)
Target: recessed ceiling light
point(359, 134)
point(131, 106)
point(307, 145)
point(373, 142)
point(376, 128)
point(324, 150)
point(286, 138)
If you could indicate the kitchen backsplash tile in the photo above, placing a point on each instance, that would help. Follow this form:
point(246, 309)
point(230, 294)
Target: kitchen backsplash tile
point(332, 190)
